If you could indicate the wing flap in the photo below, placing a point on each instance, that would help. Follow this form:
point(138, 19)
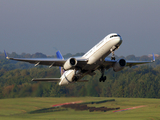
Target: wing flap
point(47, 79)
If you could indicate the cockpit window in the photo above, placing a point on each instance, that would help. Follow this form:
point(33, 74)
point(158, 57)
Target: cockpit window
point(115, 36)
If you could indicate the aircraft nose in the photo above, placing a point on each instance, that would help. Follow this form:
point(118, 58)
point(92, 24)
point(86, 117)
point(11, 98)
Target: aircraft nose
point(119, 41)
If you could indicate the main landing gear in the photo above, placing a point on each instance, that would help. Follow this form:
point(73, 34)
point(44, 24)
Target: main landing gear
point(102, 78)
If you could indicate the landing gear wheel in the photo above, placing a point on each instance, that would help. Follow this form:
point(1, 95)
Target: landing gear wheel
point(100, 79)
point(75, 79)
point(103, 78)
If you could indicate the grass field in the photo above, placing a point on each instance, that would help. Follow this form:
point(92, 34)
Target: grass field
point(19, 108)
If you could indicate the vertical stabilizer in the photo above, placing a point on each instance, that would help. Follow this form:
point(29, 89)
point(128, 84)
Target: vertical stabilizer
point(59, 56)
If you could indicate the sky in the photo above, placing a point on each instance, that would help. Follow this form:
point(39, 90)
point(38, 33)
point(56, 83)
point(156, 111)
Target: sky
point(75, 26)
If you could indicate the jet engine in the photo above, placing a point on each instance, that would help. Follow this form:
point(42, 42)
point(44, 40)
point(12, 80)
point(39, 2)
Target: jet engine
point(70, 64)
point(119, 65)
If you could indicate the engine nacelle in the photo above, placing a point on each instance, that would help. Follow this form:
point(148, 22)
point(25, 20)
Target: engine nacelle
point(119, 65)
point(70, 64)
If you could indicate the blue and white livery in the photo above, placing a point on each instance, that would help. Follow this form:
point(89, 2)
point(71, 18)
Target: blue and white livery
point(74, 69)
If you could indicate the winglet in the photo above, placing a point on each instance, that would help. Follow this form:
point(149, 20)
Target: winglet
point(153, 58)
point(6, 56)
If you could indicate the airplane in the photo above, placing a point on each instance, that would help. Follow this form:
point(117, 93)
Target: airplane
point(74, 69)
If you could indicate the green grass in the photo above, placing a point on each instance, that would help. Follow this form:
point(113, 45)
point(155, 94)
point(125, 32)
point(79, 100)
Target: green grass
point(19, 108)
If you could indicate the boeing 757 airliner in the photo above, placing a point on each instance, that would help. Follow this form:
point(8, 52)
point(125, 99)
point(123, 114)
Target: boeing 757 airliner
point(75, 68)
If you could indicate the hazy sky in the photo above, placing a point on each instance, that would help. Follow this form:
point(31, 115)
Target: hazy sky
point(73, 26)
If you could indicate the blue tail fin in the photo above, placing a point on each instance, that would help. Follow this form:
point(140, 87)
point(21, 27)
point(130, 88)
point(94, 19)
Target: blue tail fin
point(59, 56)
point(153, 58)
point(5, 54)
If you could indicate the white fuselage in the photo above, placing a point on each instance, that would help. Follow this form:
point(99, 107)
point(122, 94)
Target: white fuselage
point(95, 57)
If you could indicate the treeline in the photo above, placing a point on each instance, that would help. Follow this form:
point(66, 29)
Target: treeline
point(143, 82)
point(15, 80)
point(36, 55)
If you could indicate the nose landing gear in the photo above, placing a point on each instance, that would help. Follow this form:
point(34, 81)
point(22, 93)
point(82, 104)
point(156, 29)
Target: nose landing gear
point(113, 57)
point(112, 51)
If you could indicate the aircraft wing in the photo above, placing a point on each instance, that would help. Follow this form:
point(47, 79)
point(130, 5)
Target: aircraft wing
point(47, 61)
point(109, 63)
point(41, 61)
point(133, 63)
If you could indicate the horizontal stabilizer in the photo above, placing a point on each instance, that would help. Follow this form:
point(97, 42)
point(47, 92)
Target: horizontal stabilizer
point(82, 80)
point(47, 79)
